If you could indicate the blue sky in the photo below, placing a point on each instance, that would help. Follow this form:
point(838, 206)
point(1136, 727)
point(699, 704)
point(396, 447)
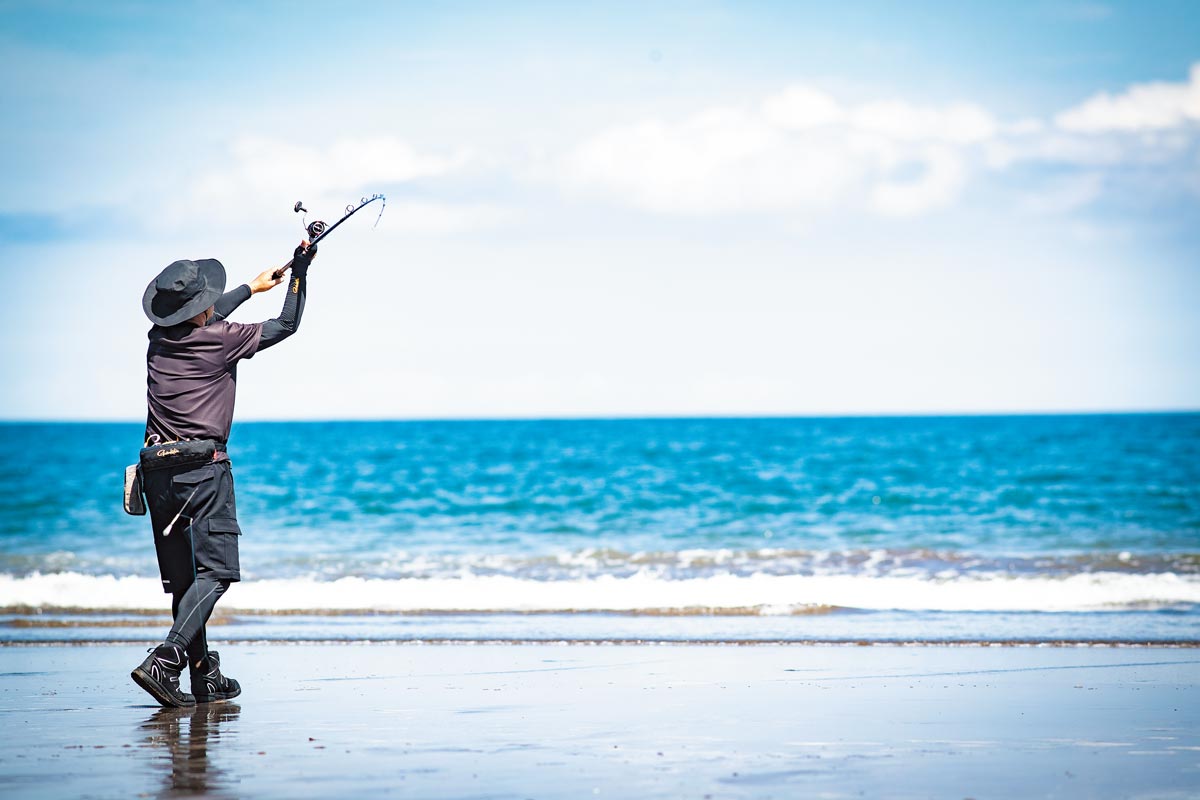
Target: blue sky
point(618, 209)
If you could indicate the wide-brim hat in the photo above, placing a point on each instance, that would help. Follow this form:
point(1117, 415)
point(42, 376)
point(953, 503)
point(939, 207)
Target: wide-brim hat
point(183, 290)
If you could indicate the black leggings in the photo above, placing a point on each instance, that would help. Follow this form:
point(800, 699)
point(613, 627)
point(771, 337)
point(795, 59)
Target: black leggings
point(191, 609)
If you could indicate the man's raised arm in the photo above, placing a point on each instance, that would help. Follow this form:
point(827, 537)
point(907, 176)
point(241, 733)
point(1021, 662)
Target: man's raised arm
point(288, 321)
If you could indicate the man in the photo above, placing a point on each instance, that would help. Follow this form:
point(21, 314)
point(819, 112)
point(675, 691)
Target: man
point(191, 378)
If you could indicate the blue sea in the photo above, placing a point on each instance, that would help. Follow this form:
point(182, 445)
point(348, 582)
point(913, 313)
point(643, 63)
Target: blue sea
point(924, 529)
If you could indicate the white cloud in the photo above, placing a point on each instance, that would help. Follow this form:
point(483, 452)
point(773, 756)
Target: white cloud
point(261, 174)
point(1143, 107)
point(1143, 143)
point(801, 108)
point(266, 164)
point(799, 150)
point(718, 160)
point(802, 151)
point(1057, 147)
point(798, 153)
point(960, 124)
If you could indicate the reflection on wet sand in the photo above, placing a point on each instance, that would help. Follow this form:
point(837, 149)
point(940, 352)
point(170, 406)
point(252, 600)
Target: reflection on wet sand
point(191, 739)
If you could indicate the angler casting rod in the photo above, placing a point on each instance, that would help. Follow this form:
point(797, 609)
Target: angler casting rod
point(318, 230)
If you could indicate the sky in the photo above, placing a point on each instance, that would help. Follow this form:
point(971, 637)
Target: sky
point(615, 209)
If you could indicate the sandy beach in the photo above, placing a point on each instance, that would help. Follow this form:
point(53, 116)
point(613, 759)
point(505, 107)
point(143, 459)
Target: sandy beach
point(537, 721)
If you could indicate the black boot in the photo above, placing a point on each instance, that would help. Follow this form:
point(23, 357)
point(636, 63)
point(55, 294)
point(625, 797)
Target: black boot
point(208, 684)
point(159, 675)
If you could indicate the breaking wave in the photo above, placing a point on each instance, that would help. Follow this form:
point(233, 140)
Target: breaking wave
point(642, 592)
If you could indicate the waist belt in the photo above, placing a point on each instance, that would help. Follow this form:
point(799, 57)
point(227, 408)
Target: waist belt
point(179, 454)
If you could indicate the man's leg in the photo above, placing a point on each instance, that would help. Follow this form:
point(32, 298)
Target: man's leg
point(191, 610)
point(185, 644)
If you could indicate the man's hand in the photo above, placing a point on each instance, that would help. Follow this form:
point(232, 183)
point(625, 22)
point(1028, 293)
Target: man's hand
point(265, 281)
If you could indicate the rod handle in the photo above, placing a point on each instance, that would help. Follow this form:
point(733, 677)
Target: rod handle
point(277, 274)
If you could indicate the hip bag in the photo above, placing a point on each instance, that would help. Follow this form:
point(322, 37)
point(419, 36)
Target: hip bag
point(175, 454)
point(179, 454)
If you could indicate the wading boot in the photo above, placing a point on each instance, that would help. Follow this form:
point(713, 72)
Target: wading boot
point(208, 684)
point(159, 675)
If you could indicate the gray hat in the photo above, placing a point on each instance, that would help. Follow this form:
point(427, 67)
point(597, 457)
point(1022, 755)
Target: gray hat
point(183, 290)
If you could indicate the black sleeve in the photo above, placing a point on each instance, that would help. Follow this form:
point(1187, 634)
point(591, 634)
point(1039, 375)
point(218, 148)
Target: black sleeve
point(288, 321)
point(228, 302)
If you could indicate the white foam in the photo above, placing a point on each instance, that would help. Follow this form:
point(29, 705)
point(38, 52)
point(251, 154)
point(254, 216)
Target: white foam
point(772, 594)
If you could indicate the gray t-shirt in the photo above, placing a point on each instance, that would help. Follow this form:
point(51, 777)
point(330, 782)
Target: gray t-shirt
point(191, 379)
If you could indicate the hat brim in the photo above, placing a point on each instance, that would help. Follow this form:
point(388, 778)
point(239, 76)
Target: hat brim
point(153, 303)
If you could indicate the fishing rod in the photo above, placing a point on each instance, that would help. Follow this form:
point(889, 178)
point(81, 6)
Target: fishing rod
point(318, 230)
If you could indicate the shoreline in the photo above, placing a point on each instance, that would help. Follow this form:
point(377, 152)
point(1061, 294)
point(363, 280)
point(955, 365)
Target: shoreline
point(645, 721)
point(1186, 644)
point(1130, 628)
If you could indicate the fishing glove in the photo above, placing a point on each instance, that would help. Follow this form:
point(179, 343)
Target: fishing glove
point(301, 259)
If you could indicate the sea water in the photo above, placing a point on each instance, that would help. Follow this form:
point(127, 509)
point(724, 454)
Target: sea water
point(1012, 528)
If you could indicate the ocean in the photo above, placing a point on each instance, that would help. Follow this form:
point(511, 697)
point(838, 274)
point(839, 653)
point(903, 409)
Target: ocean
point(879, 530)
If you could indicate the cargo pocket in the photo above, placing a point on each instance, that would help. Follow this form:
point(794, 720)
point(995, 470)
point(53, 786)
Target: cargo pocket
point(216, 545)
point(223, 532)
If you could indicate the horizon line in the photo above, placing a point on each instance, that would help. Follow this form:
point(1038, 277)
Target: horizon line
point(645, 417)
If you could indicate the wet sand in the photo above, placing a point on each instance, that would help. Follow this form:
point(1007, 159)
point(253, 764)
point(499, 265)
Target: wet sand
point(538, 721)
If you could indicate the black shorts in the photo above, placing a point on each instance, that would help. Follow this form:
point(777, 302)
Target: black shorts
point(206, 535)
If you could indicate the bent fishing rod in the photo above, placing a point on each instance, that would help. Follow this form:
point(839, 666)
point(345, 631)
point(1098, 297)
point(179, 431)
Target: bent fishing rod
point(318, 230)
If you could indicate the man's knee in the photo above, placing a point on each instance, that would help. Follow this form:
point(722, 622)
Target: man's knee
point(219, 585)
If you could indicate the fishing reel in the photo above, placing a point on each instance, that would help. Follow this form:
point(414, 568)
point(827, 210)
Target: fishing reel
point(313, 229)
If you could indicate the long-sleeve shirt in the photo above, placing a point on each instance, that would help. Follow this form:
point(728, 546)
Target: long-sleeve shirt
point(191, 371)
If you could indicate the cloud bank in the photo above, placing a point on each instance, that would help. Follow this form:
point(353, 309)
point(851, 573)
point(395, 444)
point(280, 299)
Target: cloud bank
point(797, 153)
point(257, 171)
point(803, 150)
point(800, 149)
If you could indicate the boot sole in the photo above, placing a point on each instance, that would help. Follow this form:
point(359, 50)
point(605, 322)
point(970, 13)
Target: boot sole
point(222, 699)
point(155, 689)
point(216, 698)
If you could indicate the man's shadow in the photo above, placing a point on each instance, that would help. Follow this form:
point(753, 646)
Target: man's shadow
point(189, 736)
